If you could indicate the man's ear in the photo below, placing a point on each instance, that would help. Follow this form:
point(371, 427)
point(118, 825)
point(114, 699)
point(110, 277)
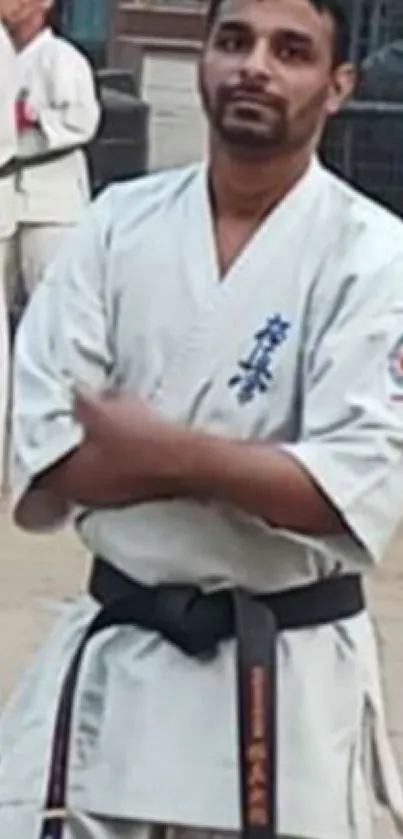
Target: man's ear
point(344, 84)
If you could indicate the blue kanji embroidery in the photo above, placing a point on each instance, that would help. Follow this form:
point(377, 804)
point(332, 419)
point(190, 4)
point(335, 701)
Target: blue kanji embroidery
point(255, 371)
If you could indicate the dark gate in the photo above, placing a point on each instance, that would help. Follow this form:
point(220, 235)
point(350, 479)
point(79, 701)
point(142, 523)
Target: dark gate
point(364, 144)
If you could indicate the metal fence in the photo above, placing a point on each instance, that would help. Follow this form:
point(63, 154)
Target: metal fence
point(386, 23)
point(364, 144)
point(374, 23)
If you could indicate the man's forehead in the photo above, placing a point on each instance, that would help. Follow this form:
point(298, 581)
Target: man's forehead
point(300, 15)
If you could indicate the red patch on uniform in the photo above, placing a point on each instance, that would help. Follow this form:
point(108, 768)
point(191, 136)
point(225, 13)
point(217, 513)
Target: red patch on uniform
point(395, 368)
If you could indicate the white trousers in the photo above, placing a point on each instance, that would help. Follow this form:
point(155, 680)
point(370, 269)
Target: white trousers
point(4, 358)
point(31, 249)
point(20, 824)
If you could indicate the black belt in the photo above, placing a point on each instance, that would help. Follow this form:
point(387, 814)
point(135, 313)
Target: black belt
point(17, 165)
point(8, 169)
point(196, 623)
point(49, 156)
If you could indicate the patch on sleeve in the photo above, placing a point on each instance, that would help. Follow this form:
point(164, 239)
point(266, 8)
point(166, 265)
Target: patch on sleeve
point(395, 371)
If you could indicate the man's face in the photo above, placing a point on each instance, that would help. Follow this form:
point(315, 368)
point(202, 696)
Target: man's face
point(267, 76)
point(17, 13)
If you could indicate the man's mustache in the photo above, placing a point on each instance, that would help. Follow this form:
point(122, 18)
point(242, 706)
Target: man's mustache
point(251, 93)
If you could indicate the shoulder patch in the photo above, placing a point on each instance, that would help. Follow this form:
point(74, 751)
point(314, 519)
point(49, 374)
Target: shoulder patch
point(395, 370)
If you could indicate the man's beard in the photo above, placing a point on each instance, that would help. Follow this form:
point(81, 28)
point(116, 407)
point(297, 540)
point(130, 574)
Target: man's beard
point(240, 125)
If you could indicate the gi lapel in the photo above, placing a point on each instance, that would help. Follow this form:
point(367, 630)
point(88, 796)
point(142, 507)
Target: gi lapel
point(254, 291)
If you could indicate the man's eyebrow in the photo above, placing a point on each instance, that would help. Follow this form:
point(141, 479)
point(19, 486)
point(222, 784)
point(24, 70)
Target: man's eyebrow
point(234, 25)
point(295, 36)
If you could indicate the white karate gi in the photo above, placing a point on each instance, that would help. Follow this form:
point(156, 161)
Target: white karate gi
point(59, 85)
point(8, 150)
point(135, 302)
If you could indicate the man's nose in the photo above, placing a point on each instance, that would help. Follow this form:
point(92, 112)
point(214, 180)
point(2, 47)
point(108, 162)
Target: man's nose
point(257, 64)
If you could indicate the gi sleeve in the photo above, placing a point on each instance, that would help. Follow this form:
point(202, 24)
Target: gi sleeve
point(63, 341)
point(351, 440)
point(72, 114)
point(8, 92)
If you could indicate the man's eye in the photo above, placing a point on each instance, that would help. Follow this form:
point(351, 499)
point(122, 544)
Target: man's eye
point(293, 53)
point(231, 43)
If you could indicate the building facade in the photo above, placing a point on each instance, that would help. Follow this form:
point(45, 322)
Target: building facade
point(98, 25)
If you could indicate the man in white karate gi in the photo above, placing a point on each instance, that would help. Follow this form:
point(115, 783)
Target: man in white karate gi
point(57, 116)
point(210, 381)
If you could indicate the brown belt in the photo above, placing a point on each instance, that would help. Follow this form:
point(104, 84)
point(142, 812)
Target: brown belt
point(196, 623)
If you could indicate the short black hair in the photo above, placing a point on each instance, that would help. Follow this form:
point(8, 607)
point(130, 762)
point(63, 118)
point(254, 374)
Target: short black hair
point(337, 9)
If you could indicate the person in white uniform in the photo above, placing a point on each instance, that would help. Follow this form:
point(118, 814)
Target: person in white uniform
point(209, 380)
point(8, 208)
point(8, 149)
point(57, 115)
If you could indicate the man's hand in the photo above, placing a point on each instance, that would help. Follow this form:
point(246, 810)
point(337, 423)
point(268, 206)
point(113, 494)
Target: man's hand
point(137, 439)
point(130, 453)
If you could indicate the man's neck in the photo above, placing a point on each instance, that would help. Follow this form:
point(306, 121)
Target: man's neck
point(26, 35)
point(250, 190)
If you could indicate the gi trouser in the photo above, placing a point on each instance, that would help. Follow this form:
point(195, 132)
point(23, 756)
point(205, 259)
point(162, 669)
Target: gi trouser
point(196, 622)
point(4, 359)
point(32, 248)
